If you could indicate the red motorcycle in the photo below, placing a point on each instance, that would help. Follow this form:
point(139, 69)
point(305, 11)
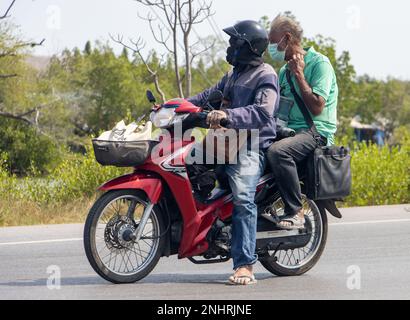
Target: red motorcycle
point(157, 211)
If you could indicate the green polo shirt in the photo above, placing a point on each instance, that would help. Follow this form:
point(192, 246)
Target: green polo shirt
point(321, 77)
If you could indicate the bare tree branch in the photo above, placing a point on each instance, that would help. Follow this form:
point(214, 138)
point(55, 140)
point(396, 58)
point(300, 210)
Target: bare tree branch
point(13, 51)
point(16, 117)
point(169, 11)
point(137, 48)
point(29, 44)
point(24, 117)
point(195, 54)
point(8, 54)
point(7, 76)
point(8, 10)
point(162, 38)
point(188, 17)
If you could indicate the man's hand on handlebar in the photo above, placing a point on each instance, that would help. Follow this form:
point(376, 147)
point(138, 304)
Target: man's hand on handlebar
point(216, 118)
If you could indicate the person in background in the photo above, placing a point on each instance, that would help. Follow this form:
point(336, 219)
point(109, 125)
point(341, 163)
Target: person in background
point(315, 81)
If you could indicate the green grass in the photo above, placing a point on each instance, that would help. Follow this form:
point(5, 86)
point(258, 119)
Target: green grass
point(381, 176)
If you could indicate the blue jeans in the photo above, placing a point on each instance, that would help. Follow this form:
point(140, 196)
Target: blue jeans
point(243, 179)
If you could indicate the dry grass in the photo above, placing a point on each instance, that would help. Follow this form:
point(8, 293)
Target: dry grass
point(25, 213)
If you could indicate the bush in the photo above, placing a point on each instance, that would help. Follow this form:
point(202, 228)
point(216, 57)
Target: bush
point(381, 176)
point(76, 177)
point(26, 151)
point(80, 176)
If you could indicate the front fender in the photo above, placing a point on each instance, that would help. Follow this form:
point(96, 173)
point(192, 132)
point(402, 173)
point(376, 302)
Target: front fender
point(152, 186)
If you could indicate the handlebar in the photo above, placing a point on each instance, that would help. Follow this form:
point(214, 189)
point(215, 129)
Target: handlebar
point(224, 122)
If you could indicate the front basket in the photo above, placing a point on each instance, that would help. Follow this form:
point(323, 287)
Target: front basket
point(122, 153)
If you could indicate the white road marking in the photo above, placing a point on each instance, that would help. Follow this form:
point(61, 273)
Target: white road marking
point(39, 242)
point(330, 224)
point(368, 222)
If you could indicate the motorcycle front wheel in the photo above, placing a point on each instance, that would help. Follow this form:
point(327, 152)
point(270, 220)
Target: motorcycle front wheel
point(109, 249)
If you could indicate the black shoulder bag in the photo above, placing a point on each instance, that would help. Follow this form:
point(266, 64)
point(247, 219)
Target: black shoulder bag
point(328, 171)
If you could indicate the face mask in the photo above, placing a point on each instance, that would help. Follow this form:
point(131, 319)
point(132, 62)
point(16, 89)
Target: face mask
point(233, 51)
point(274, 52)
point(231, 56)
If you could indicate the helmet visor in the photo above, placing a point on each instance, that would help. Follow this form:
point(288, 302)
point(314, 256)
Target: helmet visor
point(231, 31)
point(236, 38)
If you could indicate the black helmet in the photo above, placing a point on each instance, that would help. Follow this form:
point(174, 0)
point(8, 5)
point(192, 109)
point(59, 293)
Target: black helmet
point(252, 33)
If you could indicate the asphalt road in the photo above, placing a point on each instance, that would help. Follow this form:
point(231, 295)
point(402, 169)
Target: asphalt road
point(373, 243)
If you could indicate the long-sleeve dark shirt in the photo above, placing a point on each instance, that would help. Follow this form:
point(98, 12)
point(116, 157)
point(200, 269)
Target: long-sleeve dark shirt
point(253, 96)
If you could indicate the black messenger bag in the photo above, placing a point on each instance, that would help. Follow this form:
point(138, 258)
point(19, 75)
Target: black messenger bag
point(329, 174)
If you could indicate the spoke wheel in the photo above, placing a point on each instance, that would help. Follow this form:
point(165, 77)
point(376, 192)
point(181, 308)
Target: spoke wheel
point(299, 261)
point(107, 242)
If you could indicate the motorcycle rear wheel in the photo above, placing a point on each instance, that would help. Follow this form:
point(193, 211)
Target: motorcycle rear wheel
point(110, 255)
point(289, 263)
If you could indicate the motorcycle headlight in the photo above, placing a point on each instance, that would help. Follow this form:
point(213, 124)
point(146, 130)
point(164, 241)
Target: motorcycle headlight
point(165, 118)
point(162, 118)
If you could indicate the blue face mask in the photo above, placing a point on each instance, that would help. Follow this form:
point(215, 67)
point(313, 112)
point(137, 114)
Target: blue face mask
point(274, 52)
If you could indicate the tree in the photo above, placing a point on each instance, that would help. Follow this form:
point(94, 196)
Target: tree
point(87, 48)
point(11, 55)
point(345, 72)
point(125, 54)
point(176, 19)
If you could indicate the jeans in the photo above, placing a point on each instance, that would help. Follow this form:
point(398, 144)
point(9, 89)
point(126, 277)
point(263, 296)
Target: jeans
point(283, 157)
point(243, 179)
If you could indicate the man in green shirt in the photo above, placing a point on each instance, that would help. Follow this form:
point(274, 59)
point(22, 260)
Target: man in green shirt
point(315, 82)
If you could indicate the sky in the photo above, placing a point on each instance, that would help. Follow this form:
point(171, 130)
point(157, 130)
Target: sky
point(375, 32)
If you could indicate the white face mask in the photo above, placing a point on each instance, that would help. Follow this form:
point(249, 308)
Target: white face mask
point(274, 52)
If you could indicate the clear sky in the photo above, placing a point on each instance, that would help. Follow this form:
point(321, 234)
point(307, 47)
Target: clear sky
point(374, 31)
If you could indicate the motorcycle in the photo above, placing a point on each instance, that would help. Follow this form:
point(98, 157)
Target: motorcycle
point(156, 212)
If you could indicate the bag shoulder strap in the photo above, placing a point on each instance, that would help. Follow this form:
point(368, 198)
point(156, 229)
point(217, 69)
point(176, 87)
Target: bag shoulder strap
point(303, 108)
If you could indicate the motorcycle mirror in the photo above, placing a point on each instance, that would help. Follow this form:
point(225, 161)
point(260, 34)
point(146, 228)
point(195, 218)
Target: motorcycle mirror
point(216, 96)
point(151, 97)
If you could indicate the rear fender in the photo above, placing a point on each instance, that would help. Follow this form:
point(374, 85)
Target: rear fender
point(330, 206)
point(151, 185)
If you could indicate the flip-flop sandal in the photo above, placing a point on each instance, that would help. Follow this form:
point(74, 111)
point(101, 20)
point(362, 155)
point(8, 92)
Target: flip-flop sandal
point(295, 223)
point(242, 281)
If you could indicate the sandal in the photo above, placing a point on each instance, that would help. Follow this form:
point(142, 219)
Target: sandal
point(296, 223)
point(242, 280)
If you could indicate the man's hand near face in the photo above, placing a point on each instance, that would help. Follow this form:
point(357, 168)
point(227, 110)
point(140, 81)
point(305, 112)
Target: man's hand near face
point(297, 65)
point(315, 103)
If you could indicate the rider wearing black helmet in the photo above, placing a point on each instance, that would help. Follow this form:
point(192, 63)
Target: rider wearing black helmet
point(251, 94)
point(249, 40)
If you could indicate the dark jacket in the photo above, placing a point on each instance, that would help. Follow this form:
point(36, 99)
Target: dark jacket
point(253, 96)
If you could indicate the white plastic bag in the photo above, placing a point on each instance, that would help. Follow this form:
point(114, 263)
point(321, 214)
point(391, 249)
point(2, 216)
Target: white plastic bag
point(132, 132)
point(142, 133)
